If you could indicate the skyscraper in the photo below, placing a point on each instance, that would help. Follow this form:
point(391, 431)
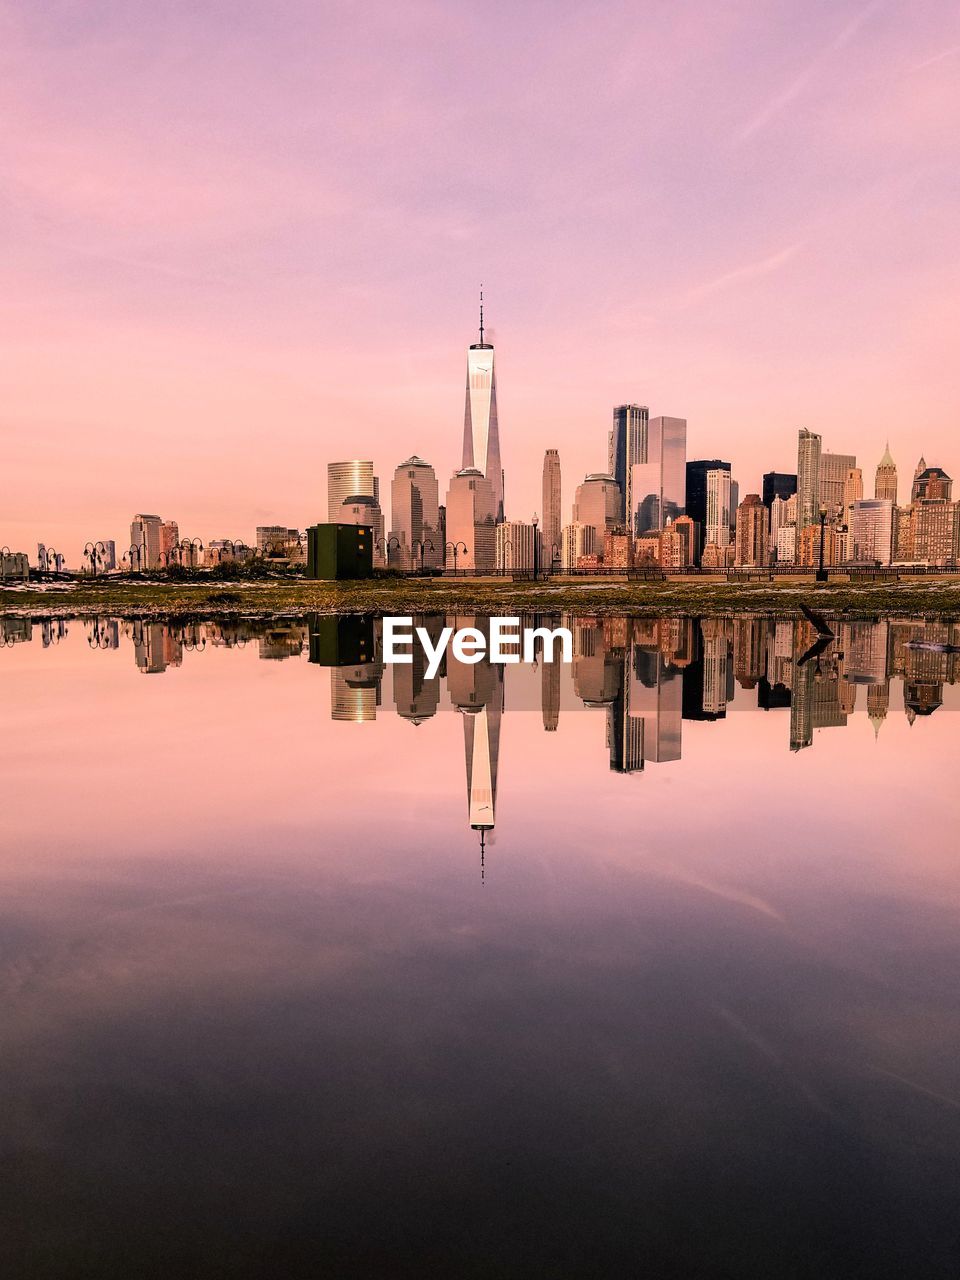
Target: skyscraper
point(415, 514)
point(514, 545)
point(783, 512)
point(852, 492)
point(717, 520)
point(146, 532)
point(481, 431)
point(808, 476)
point(552, 508)
point(834, 469)
point(597, 504)
point(697, 496)
point(628, 446)
point(751, 548)
point(871, 531)
point(885, 485)
point(348, 480)
point(471, 529)
point(658, 482)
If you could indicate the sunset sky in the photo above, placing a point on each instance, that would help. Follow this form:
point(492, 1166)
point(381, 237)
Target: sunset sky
point(238, 240)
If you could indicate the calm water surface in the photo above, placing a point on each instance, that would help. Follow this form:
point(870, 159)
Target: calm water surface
point(646, 965)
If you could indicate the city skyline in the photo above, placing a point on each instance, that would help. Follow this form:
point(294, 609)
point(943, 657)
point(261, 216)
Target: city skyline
point(196, 313)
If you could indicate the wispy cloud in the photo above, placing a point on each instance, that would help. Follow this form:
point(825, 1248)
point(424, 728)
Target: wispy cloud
point(750, 271)
point(935, 58)
point(809, 72)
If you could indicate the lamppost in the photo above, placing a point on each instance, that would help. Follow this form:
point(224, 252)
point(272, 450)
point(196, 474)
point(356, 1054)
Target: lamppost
point(455, 547)
point(821, 572)
point(99, 637)
point(222, 548)
point(58, 561)
point(191, 546)
point(536, 548)
point(196, 643)
point(424, 546)
point(135, 550)
point(94, 553)
point(384, 545)
point(507, 544)
point(555, 553)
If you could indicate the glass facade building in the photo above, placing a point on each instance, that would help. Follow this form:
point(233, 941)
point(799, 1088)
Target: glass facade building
point(658, 484)
point(628, 447)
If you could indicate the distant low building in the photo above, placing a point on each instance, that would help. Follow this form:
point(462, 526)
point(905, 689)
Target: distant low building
point(14, 566)
point(617, 550)
point(810, 546)
point(647, 548)
point(678, 543)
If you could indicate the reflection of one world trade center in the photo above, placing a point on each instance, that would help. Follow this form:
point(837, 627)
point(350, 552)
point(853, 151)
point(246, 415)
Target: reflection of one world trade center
point(476, 690)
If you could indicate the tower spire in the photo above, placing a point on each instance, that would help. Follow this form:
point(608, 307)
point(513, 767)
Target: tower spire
point(481, 315)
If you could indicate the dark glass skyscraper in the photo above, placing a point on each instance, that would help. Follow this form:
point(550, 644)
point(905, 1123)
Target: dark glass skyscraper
point(697, 494)
point(777, 484)
point(628, 446)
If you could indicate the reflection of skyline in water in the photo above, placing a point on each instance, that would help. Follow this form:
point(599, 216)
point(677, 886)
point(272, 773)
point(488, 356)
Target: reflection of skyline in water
point(647, 675)
point(251, 965)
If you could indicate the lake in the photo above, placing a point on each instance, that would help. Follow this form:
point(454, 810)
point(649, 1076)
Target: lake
point(646, 964)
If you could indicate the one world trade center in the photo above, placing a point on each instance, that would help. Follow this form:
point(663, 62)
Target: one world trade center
point(481, 434)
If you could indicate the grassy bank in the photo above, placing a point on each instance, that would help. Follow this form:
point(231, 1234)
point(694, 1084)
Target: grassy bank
point(935, 597)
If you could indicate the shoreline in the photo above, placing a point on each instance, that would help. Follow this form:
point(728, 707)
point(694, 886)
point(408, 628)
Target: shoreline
point(932, 597)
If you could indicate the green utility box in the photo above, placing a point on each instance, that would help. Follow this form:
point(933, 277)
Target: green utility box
point(340, 551)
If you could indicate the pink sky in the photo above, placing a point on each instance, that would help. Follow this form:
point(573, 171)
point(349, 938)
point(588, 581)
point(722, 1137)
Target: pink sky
point(240, 240)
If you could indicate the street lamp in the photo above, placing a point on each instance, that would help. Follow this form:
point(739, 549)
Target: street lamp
point(821, 572)
point(555, 553)
point(536, 539)
point(99, 637)
point(507, 544)
point(58, 561)
point(455, 547)
point(221, 550)
point(197, 642)
point(136, 550)
point(384, 545)
point(94, 552)
point(424, 546)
